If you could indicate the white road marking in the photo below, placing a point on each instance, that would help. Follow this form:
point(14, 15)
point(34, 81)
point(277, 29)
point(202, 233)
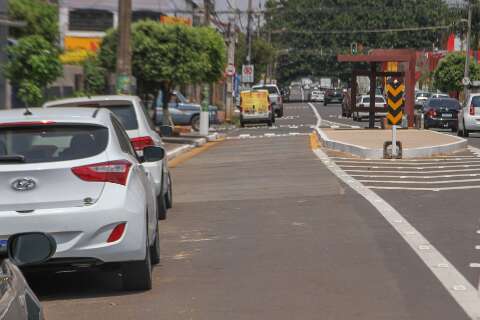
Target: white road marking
point(416, 177)
point(437, 158)
point(420, 182)
point(409, 164)
point(426, 189)
point(416, 168)
point(452, 280)
point(412, 172)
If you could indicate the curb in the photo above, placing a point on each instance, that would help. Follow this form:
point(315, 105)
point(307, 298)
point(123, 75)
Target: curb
point(172, 154)
point(189, 144)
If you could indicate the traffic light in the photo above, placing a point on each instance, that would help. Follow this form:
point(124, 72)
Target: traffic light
point(353, 48)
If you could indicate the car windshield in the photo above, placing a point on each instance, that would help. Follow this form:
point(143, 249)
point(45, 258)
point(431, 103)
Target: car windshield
point(443, 103)
point(270, 89)
point(51, 143)
point(124, 110)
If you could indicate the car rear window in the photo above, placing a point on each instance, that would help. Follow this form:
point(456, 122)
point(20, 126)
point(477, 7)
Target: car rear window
point(124, 110)
point(442, 103)
point(476, 101)
point(50, 143)
point(271, 90)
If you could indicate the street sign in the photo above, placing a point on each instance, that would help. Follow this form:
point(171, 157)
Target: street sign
point(466, 81)
point(247, 73)
point(395, 102)
point(230, 70)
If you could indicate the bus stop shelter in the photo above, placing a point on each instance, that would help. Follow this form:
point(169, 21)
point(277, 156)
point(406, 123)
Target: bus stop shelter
point(378, 56)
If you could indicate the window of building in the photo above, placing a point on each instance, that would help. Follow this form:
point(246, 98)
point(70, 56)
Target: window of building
point(146, 15)
point(90, 20)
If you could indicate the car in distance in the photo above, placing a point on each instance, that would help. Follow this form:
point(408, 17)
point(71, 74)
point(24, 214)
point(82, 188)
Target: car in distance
point(317, 96)
point(363, 107)
point(183, 112)
point(441, 113)
point(140, 128)
point(17, 300)
point(469, 115)
point(73, 173)
point(275, 96)
point(255, 107)
point(420, 98)
point(333, 96)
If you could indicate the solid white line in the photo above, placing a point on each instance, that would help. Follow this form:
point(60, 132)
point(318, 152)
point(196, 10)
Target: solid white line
point(413, 172)
point(420, 182)
point(453, 281)
point(416, 177)
point(437, 158)
point(416, 168)
point(426, 189)
point(341, 162)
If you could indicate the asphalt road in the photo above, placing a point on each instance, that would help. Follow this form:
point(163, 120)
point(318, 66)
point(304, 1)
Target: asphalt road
point(262, 229)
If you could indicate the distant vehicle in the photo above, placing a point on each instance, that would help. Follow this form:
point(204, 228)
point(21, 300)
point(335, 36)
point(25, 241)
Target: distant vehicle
point(183, 112)
point(142, 133)
point(363, 107)
point(17, 300)
point(441, 113)
point(255, 107)
point(317, 95)
point(439, 95)
point(469, 115)
point(74, 174)
point(333, 96)
point(296, 93)
point(421, 98)
point(275, 97)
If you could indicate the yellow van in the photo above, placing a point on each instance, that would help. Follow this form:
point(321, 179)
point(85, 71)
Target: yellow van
point(255, 107)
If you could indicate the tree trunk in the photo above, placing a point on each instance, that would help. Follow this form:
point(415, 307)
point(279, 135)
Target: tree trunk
point(167, 93)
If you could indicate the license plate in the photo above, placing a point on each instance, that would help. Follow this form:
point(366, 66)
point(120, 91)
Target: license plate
point(446, 115)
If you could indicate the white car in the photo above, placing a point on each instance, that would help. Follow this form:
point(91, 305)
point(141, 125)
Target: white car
point(317, 96)
point(72, 173)
point(469, 115)
point(363, 107)
point(141, 130)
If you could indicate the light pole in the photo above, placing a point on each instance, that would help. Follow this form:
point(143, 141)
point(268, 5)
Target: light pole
point(466, 73)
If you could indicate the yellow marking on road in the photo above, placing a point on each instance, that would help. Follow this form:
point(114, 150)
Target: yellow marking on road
point(194, 152)
point(314, 143)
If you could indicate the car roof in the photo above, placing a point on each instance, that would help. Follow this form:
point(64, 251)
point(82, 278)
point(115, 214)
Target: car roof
point(368, 96)
point(442, 98)
point(92, 99)
point(61, 115)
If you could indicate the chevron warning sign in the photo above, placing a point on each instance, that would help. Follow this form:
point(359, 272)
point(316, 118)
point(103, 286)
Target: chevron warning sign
point(395, 101)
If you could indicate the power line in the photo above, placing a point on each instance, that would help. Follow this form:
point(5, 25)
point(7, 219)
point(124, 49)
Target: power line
point(364, 31)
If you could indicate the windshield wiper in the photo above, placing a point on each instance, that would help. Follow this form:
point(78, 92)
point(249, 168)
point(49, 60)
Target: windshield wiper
point(13, 158)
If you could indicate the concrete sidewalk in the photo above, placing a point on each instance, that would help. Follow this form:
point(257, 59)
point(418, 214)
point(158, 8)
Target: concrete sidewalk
point(368, 143)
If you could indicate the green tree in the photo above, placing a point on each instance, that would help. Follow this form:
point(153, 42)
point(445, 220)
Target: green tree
point(95, 76)
point(41, 18)
point(33, 64)
point(301, 30)
point(164, 56)
point(263, 54)
point(449, 73)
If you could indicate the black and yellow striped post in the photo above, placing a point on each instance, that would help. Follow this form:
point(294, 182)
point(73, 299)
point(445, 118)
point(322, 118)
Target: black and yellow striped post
point(395, 102)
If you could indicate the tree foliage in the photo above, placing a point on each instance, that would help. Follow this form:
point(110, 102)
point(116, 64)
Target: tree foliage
point(95, 76)
point(301, 30)
point(450, 71)
point(41, 18)
point(263, 54)
point(33, 64)
point(168, 55)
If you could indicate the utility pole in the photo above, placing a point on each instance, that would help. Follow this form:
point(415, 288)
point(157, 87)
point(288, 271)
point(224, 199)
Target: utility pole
point(206, 92)
point(3, 54)
point(249, 33)
point(466, 74)
point(124, 51)
point(231, 62)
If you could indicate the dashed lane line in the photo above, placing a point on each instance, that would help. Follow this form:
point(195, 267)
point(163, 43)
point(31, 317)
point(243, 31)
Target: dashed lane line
point(453, 281)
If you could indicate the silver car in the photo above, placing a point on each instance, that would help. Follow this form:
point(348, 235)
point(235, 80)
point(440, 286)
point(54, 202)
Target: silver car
point(17, 300)
point(469, 115)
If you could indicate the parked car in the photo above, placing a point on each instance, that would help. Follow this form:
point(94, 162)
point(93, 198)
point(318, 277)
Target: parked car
point(441, 113)
point(317, 95)
point(363, 107)
point(469, 115)
point(73, 173)
point(17, 300)
point(439, 95)
point(142, 133)
point(420, 98)
point(275, 97)
point(183, 112)
point(333, 96)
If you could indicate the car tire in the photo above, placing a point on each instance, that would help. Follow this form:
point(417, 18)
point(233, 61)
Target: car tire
point(460, 132)
point(137, 275)
point(195, 122)
point(242, 124)
point(325, 103)
point(155, 248)
point(169, 194)
point(269, 123)
point(161, 206)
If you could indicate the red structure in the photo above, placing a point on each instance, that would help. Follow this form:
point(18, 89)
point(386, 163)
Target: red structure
point(378, 56)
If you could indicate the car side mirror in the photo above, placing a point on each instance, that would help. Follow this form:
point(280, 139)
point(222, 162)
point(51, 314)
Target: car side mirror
point(31, 248)
point(153, 154)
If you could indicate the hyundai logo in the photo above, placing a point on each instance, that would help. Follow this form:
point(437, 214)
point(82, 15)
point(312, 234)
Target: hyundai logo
point(24, 184)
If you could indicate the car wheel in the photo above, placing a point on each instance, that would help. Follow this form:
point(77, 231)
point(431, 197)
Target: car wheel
point(269, 123)
point(325, 103)
point(460, 132)
point(155, 248)
point(161, 206)
point(169, 194)
point(137, 275)
point(195, 122)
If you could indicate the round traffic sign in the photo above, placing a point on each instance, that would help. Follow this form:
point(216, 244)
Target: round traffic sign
point(230, 70)
point(466, 81)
